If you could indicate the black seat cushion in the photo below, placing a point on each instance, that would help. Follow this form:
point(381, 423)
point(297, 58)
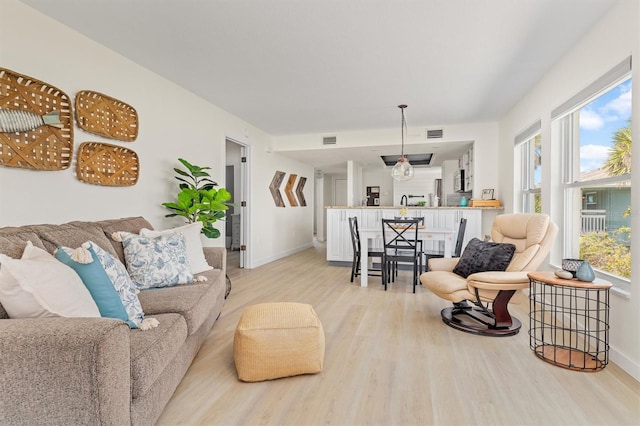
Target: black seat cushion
point(481, 256)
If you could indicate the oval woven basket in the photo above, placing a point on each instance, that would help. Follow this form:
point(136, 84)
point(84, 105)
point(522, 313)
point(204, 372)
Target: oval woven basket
point(105, 116)
point(105, 164)
point(43, 148)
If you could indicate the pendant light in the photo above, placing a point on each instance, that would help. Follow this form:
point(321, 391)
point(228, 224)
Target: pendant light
point(403, 170)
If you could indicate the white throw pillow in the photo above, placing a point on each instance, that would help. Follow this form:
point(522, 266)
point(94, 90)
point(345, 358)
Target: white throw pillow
point(38, 285)
point(191, 234)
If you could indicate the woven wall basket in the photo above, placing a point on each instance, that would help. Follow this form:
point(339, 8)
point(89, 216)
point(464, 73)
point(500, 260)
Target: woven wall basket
point(106, 164)
point(46, 147)
point(105, 116)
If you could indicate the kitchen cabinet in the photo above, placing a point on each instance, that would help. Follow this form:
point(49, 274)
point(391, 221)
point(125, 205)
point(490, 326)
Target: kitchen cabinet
point(339, 246)
point(450, 218)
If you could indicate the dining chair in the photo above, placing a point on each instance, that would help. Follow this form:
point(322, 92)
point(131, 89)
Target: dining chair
point(457, 250)
point(401, 245)
point(355, 242)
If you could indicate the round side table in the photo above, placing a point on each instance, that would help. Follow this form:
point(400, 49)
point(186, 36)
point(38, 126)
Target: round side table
point(569, 321)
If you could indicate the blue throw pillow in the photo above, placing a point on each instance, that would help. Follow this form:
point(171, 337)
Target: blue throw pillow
point(481, 256)
point(98, 283)
point(121, 281)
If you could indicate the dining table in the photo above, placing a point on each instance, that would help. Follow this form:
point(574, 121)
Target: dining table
point(424, 233)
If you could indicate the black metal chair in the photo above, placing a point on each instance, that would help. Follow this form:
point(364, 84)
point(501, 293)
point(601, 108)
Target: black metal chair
point(457, 251)
point(355, 242)
point(401, 245)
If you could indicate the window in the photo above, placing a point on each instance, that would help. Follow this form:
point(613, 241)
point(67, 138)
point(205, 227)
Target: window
point(530, 146)
point(596, 144)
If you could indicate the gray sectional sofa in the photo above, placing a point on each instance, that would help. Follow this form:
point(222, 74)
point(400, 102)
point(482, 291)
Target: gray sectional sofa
point(85, 371)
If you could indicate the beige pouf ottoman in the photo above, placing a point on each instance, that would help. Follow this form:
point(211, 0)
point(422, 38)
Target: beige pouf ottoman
point(274, 340)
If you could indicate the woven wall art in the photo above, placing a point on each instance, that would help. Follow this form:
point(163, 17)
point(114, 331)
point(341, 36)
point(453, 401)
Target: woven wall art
point(288, 189)
point(106, 164)
point(299, 189)
point(42, 148)
point(274, 187)
point(105, 116)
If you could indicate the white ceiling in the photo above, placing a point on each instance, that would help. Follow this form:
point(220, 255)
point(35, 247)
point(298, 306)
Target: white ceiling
point(323, 66)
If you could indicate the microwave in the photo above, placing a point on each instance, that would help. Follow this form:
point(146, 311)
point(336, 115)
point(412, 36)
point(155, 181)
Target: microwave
point(458, 181)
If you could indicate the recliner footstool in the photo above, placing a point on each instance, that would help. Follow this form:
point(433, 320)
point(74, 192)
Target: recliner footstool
point(274, 340)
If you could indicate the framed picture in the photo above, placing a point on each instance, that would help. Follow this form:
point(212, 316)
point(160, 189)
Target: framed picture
point(487, 194)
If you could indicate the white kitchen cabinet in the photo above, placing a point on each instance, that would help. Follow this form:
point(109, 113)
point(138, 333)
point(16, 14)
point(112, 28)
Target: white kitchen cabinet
point(371, 219)
point(450, 218)
point(339, 246)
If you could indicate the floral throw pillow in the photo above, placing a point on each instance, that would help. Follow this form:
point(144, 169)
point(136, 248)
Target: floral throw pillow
point(156, 261)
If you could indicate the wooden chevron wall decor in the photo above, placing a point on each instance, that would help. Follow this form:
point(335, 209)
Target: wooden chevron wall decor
point(288, 189)
point(274, 187)
point(299, 190)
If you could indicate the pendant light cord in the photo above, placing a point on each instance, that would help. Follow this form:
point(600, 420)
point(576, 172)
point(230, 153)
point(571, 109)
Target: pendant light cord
point(403, 126)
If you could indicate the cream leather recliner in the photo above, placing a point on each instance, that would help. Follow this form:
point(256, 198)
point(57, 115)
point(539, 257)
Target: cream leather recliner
point(532, 234)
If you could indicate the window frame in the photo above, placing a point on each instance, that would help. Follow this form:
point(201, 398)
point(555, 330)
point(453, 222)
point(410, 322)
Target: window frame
point(570, 185)
point(525, 143)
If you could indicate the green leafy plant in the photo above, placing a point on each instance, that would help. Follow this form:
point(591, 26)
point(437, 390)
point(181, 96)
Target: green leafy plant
point(198, 199)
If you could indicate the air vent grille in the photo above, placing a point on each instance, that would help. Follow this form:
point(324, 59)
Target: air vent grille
point(329, 140)
point(434, 134)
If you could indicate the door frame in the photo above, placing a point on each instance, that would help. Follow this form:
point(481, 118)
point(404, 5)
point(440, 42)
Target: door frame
point(245, 195)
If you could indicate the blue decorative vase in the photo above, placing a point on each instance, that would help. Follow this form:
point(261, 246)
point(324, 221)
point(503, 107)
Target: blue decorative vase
point(585, 272)
point(463, 201)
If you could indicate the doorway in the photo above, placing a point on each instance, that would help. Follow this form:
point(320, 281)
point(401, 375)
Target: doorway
point(236, 182)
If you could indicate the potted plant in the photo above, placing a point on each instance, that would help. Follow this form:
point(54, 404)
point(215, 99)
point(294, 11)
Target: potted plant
point(198, 199)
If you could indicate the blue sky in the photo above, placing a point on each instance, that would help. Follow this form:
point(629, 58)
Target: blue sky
point(599, 120)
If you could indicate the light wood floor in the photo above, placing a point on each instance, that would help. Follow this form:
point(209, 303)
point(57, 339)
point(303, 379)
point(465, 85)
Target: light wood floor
point(389, 361)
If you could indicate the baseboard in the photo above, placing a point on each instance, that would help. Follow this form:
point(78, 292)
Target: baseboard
point(626, 364)
point(277, 256)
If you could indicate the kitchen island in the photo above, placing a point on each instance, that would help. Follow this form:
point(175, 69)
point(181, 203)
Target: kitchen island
point(339, 249)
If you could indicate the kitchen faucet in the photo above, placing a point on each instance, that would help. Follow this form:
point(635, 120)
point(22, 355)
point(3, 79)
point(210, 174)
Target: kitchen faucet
point(403, 198)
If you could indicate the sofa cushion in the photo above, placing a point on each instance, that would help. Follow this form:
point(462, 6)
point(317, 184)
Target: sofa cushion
point(13, 243)
point(153, 349)
point(193, 301)
point(37, 285)
point(69, 235)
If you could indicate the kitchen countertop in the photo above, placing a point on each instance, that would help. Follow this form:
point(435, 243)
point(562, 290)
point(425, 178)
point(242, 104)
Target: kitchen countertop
point(414, 207)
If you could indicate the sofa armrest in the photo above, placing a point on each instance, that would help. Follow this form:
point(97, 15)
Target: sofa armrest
point(65, 371)
point(498, 280)
point(443, 263)
point(216, 257)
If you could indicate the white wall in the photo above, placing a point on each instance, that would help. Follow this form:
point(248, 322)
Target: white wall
point(421, 184)
point(381, 178)
point(173, 123)
point(355, 194)
point(613, 38)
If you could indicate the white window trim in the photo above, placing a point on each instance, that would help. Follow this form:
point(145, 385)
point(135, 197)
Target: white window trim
point(565, 116)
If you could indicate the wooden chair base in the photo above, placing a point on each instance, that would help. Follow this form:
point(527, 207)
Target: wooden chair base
point(476, 321)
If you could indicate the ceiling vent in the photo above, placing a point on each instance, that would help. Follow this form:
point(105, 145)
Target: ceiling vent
point(434, 134)
point(329, 140)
